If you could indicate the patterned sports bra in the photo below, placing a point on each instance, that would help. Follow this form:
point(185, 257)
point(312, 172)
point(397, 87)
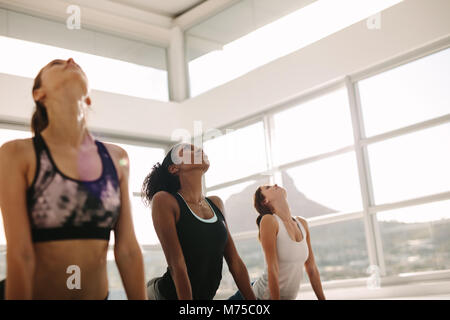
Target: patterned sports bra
point(63, 208)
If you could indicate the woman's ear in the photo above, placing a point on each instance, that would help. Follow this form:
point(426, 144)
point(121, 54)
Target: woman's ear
point(173, 169)
point(38, 94)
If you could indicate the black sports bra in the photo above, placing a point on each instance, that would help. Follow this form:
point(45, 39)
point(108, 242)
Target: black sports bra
point(62, 208)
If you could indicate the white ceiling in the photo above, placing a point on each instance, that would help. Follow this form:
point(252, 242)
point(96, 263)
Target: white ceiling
point(170, 8)
point(209, 24)
point(236, 21)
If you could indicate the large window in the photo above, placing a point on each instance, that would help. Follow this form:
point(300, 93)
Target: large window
point(253, 33)
point(416, 238)
point(142, 159)
point(406, 166)
point(411, 93)
point(340, 250)
point(238, 201)
point(327, 186)
point(412, 165)
point(236, 154)
point(5, 136)
point(252, 254)
point(154, 266)
point(103, 73)
point(319, 125)
point(313, 152)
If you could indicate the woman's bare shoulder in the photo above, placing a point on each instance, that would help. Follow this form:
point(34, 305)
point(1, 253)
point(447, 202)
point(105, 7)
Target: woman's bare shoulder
point(19, 149)
point(303, 221)
point(116, 151)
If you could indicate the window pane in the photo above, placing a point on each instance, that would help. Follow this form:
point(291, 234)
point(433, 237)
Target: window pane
point(411, 93)
point(142, 160)
point(142, 221)
point(252, 33)
point(116, 291)
point(121, 77)
point(251, 252)
point(5, 136)
point(327, 186)
point(416, 238)
point(154, 266)
point(412, 165)
point(238, 201)
point(237, 154)
point(316, 126)
point(8, 135)
point(340, 250)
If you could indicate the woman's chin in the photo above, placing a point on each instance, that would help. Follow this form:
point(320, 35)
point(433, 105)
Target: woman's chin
point(205, 166)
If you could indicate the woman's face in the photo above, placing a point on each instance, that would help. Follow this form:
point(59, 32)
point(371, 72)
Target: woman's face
point(62, 73)
point(273, 192)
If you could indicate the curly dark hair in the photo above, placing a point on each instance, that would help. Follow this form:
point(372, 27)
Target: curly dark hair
point(160, 179)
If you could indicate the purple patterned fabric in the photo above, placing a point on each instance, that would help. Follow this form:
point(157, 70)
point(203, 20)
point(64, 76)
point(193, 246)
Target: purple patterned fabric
point(61, 207)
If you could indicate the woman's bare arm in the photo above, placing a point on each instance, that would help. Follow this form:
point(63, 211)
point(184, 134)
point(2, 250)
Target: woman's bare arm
point(127, 252)
point(164, 221)
point(310, 265)
point(20, 253)
point(268, 237)
point(235, 264)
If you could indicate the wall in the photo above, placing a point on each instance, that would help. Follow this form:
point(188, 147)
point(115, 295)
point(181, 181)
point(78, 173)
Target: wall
point(111, 113)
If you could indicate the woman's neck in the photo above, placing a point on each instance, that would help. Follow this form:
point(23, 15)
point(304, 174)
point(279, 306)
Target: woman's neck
point(282, 209)
point(191, 186)
point(67, 122)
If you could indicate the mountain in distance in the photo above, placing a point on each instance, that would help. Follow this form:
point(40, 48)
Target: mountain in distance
point(241, 214)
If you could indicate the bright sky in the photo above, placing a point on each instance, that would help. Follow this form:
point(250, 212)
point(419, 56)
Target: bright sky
point(406, 90)
point(104, 74)
point(279, 38)
point(235, 155)
point(316, 126)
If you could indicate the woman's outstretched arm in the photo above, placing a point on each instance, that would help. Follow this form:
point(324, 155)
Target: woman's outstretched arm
point(127, 252)
point(164, 221)
point(311, 267)
point(235, 264)
point(19, 253)
point(268, 236)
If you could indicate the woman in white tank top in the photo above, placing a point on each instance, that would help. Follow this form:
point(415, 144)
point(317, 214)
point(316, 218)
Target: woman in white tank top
point(287, 248)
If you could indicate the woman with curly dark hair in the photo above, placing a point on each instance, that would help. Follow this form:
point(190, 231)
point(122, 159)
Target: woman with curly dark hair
point(191, 229)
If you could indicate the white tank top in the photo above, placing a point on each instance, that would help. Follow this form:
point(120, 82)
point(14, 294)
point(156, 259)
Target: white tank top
point(292, 256)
